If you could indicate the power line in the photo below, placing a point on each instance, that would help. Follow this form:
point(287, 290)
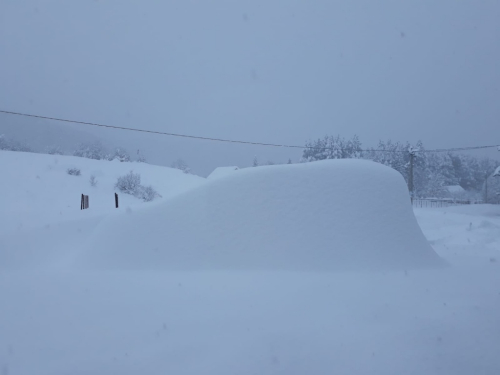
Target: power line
point(229, 140)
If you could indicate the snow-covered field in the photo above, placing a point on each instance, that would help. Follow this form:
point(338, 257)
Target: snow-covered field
point(63, 311)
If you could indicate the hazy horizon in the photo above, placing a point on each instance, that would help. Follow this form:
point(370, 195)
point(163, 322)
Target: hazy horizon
point(281, 72)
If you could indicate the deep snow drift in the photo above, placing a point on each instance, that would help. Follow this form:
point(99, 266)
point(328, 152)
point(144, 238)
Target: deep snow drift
point(329, 215)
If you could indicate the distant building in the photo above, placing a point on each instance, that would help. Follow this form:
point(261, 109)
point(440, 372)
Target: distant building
point(454, 189)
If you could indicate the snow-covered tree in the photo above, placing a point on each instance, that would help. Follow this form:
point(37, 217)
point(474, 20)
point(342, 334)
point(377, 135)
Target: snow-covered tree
point(330, 147)
point(140, 157)
point(94, 150)
point(121, 154)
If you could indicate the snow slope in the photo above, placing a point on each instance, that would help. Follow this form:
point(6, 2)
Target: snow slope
point(222, 172)
point(37, 191)
point(40, 215)
point(333, 214)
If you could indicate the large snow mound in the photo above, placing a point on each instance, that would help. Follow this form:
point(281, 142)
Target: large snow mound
point(328, 215)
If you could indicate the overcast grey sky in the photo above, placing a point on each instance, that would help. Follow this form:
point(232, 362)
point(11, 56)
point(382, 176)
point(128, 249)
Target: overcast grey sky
point(280, 71)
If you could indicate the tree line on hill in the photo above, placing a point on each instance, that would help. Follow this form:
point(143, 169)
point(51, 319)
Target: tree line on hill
point(433, 174)
point(90, 150)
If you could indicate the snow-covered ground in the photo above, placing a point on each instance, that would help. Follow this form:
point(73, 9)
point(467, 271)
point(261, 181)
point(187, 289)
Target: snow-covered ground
point(36, 189)
point(59, 315)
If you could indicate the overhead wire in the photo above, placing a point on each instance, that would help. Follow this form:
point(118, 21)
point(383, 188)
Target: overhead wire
point(234, 140)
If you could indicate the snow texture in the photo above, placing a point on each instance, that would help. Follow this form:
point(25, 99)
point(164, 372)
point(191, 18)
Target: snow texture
point(222, 172)
point(328, 215)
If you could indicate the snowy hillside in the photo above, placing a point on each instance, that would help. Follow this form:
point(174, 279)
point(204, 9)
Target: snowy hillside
point(108, 291)
point(36, 189)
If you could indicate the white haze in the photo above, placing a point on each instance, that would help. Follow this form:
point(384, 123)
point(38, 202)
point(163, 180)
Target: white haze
point(281, 72)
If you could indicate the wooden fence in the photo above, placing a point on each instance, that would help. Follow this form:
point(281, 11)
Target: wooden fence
point(438, 203)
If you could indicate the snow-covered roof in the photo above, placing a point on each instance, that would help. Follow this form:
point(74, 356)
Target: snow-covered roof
point(497, 172)
point(454, 189)
point(222, 172)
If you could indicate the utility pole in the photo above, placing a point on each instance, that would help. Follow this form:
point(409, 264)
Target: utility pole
point(410, 177)
point(486, 189)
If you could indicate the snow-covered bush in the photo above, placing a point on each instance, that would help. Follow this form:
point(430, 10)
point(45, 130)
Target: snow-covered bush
point(181, 164)
point(140, 157)
point(94, 151)
point(120, 154)
point(129, 184)
point(74, 171)
point(147, 193)
point(55, 150)
point(93, 181)
point(12, 145)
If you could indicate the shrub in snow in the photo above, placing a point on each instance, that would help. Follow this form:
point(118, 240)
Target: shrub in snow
point(129, 184)
point(140, 157)
point(74, 171)
point(147, 193)
point(181, 164)
point(55, 150)
point(120, 154)
point(94, 151)
point(11, 145)
point(93, 181)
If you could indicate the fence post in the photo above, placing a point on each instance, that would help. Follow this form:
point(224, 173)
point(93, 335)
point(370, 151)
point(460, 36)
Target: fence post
point(81, 203)
point(116, 200)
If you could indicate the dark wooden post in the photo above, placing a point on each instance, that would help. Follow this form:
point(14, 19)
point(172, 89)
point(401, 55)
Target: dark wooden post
point(81, 203)
point(116, 200)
